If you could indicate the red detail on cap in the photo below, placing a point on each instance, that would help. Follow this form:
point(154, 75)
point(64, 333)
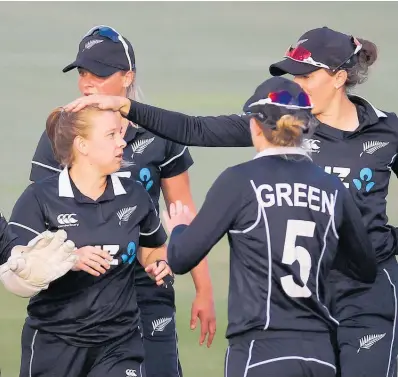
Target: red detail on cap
point(298, 53)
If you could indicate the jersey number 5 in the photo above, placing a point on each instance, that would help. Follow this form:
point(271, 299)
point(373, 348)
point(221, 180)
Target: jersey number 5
point(292, 253)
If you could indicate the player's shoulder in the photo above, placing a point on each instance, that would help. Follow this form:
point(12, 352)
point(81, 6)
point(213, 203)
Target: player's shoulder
point(45, 184)
point(382, 117)
point(40, 190)
point(239, 175)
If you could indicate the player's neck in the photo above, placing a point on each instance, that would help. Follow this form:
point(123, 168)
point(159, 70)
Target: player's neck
point(341, 114)
point(88, 180)
point(261, 143)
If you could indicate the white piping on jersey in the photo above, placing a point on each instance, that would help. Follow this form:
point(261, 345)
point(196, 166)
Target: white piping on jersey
point(32, 352)
point(395, 320)
point(249, 358)
point(247, 230)
point(46, 166)
point(331, 221)
point(24, 226)
point(378, 112)
point(312, 359)
point(269, 251)
point(332, 214)
point(282, 150)
point(226, 362)
point(269, 266)
point(154, 231)
point(173, 158)
point(176, 345)
point(392, 161)
point(65, 187)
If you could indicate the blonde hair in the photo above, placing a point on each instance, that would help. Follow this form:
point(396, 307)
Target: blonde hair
point(288, 133)
point(63, 127)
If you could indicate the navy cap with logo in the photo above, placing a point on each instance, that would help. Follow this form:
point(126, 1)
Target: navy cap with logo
point(103, 52)
point(276, 97)
point(316, 49)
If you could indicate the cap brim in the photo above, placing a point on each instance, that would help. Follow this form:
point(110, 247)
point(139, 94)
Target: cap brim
point(96, 68)
point(291, 67)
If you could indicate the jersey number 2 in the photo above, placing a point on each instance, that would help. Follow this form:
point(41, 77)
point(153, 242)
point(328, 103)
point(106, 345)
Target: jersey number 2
point(292, 253)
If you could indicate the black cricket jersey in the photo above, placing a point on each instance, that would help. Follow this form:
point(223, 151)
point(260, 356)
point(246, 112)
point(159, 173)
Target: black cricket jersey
point(82, 309)
point(363, 159)
point(286, 229)
point(7, 240)
point(147, 158)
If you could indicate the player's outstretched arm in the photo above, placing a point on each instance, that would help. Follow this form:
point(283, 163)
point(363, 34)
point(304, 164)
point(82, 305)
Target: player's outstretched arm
point(30, 269)
point(356, 257)
point(188, 245)
point(207, 131)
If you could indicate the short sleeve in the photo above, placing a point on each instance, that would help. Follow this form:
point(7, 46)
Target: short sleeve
point(27, 218)
point(44, 164)
point(152, 233)
point(177, 161)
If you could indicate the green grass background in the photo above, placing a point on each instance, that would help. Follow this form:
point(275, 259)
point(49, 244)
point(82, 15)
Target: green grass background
point(196, 57)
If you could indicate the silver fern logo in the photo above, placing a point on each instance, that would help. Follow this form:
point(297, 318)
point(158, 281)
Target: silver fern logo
point(125, 213)
point(371, 147)
point(160, 324)
point(138, 147)
point(369, 340)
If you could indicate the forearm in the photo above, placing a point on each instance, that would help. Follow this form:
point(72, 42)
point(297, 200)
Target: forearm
point(182, 256)
point(201, 277)
point(208, 131)
point(178, 188)
point(148, 256)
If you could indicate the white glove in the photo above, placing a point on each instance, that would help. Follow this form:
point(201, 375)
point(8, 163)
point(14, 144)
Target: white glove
point(32, 268)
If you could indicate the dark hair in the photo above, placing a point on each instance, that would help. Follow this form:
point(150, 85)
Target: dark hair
point(358, 73)
point(62, 128)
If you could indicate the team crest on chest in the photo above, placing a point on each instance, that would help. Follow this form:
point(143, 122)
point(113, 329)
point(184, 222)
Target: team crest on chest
point(124, 214)
point(371, 147)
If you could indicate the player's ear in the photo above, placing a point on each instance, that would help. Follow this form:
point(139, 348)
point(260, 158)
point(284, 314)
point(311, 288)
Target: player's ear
point(340, 78)
point(128, 79)
point(255, 128)
point(80, 145)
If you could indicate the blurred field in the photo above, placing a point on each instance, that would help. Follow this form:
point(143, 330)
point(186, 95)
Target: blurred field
point(200, 58)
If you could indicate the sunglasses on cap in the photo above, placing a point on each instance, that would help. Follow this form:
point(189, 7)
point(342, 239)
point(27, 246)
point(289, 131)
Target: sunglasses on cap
point(113, 35)
point(302, 55)
point(286, 99)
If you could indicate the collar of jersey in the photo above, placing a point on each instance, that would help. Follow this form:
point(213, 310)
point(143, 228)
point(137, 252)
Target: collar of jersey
point(373, 113)
point(131, 132)
point(67, 189)
point(282, 151)
point(368, 116)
